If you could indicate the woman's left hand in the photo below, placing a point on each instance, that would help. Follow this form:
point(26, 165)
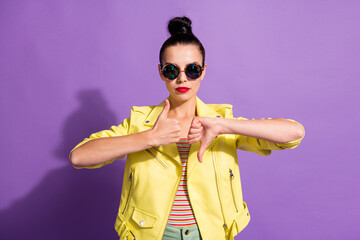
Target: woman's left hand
point(204, 129)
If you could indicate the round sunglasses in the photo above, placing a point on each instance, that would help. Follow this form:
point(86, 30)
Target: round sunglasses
point(192, 71)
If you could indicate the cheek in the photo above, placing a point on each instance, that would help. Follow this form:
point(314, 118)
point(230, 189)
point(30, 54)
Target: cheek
point(197, 84)
point(168, 86)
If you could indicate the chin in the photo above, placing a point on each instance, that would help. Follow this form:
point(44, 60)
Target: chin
point(182, 97)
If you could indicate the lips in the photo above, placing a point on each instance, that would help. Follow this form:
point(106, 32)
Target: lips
point(182, 89)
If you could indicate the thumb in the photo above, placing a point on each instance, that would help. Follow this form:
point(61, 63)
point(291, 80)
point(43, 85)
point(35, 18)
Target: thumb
point(201, 151)
point(166, 109)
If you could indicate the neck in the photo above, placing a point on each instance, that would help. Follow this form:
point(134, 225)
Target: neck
point(182, 109)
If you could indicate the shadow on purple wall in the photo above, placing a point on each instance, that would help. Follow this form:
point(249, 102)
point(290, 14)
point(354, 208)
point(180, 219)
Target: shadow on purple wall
point(70, 203)
point(93, 115)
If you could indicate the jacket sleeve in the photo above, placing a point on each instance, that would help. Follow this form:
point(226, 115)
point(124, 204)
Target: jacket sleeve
point(114, 131)
point(261, 146)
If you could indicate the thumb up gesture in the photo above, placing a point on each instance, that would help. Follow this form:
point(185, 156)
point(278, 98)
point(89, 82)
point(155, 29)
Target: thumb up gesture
point(203, 129)
point(166, 130)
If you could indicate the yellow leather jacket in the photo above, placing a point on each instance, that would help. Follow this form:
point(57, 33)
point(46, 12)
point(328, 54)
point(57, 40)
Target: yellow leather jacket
point(151, 178)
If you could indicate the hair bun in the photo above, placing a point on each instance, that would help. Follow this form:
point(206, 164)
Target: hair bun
point(180, 25)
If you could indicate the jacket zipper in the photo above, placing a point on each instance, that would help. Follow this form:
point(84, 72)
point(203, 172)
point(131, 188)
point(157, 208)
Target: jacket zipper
point(131, 234)
point(232, 190)
point(161, 162)
point(218, 190)
point(130, 190)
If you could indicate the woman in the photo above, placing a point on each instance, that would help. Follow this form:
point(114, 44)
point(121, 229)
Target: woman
point(181, 177)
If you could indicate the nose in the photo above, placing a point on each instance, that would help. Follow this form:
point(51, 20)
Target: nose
point(182, 76)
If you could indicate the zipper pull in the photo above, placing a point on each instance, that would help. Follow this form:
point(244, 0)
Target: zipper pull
point(231, 174)
point(225, 226)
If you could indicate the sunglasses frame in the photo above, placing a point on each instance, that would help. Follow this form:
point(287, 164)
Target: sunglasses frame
point(201, 68)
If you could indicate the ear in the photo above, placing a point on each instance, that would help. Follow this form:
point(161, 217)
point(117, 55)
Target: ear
point(203, 72)
point(161, 76)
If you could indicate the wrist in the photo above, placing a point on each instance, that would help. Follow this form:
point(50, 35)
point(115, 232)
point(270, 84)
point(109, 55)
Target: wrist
point(149, 138)
point(225, 126)
point(221, 126)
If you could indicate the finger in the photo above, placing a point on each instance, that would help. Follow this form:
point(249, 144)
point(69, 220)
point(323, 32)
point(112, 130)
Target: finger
point(201, 151)
point(194, 140)
point(174, 136)
point(195, 122)
point(195, 130)
point(196, 127)
point(199, 120)
point(165, 110)
point(191, 136)
point(199, 155)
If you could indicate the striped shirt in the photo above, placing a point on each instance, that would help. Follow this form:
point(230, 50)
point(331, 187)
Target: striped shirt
point(181, 212)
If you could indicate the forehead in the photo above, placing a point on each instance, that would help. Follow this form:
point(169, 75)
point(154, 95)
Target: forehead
point(182, 54)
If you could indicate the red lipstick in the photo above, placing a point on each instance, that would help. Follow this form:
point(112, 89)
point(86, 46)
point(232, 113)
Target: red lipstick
point(182, 89)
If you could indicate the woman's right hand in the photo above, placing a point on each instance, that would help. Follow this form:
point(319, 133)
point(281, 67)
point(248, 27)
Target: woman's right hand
point(165, 130)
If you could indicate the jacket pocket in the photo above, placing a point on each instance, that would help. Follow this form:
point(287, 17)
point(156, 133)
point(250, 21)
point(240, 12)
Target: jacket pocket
point(232, 189)
point(143, 219)
point(131, 180)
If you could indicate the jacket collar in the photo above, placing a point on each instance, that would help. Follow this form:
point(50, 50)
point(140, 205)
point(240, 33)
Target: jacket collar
point(203, 110)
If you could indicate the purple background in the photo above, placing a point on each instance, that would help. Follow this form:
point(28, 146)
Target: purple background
point(70, 68)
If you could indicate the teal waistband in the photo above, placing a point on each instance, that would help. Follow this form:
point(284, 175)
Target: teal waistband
point(183, 227)
point(181, 233)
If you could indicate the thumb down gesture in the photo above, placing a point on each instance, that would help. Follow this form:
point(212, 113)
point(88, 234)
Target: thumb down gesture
point(203, 129)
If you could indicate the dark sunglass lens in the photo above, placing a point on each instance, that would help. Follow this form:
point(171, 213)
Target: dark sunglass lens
point(193, 71)
point(171, 71)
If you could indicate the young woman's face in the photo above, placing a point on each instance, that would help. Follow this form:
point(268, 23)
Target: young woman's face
point(182, 55)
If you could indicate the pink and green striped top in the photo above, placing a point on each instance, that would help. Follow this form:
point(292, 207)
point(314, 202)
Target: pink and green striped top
point(181, 212)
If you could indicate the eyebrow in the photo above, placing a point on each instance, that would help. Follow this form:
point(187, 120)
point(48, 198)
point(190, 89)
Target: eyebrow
point(166, 63)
